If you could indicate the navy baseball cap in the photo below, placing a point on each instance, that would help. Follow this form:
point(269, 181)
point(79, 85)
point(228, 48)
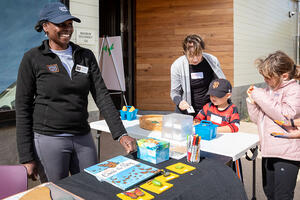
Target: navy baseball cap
point(219, 88)
point(56, 13)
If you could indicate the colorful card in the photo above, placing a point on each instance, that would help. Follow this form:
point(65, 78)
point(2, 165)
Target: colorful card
point(180, 168)
point(145, 196)
point(156, 189)
point(122, 172)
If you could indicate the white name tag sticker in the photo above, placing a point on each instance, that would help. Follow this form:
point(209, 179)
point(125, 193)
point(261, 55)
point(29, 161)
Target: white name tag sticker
point(216, 119)
point(197, 75)
point(81, 69)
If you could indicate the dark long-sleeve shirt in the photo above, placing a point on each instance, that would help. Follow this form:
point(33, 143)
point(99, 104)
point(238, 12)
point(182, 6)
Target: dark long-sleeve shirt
point(49, 101)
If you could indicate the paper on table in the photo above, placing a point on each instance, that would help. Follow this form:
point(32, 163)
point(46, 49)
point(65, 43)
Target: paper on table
point(177, 155)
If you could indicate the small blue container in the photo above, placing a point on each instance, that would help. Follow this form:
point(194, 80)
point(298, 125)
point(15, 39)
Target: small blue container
point(206, 129)
point(126, 115)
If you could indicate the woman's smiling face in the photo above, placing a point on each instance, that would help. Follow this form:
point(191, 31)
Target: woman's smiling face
point(59, 34)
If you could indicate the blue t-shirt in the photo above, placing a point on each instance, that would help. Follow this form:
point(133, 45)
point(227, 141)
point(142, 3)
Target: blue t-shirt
point(66, 58)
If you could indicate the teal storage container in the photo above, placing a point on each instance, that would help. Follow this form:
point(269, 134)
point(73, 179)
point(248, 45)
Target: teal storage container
point(206, 129)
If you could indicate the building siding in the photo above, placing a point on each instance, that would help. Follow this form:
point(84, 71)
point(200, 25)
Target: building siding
point(88, 12)
point(261, 27)
point(161, 27)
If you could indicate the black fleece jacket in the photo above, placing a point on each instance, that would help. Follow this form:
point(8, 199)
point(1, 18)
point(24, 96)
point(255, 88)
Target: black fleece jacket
point(49, 102)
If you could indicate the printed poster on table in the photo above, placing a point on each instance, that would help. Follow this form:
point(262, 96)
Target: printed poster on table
point(122, 172)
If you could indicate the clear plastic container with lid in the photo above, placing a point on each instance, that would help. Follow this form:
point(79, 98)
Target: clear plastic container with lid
point(177, 126)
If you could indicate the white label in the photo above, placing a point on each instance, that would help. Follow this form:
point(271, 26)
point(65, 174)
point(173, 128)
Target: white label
point(197, 75)
point(81, 69)
point(216, 119)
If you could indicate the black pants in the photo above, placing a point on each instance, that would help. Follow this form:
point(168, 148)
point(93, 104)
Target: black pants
point(279, 178)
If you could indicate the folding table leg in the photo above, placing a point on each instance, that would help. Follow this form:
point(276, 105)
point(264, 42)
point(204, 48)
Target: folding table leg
point(253, 159)
point(254, 179)
point(98, 139)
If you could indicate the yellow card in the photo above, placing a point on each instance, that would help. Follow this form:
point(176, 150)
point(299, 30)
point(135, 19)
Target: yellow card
point(156, 189)
point(146, 196)
point(163, 178)
point(180, 168)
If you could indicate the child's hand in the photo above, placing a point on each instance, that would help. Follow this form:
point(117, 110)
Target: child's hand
point(289, 121)
point(250, 89)
point(294, 134)
point(196, 121)
point(286, 122)
point(249, 92)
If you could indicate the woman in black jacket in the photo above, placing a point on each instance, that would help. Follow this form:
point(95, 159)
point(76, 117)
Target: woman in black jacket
point(54, 80)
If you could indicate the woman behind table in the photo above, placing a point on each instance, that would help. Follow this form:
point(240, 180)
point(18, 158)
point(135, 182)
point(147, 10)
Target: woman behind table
point(54, 80)
point(280, 156)
point(191, 75)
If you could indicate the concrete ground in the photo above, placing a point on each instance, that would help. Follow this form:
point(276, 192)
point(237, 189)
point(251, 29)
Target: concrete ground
point(110, 148)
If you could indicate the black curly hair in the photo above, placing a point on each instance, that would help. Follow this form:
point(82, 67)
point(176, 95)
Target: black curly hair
point(39, 26)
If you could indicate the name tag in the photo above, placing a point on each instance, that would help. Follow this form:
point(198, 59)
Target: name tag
point(216, 119)
point(197, 75)
point(81, 69)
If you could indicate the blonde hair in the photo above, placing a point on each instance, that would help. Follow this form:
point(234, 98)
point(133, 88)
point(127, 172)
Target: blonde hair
point(193, 45)
point(276, 64)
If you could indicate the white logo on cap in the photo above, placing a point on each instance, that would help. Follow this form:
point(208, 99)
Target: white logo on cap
point(64, 9)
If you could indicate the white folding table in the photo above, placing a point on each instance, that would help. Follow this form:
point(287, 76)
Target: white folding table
point(234, 145)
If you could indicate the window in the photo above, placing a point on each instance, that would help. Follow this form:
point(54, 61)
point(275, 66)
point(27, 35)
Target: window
point(18, 36)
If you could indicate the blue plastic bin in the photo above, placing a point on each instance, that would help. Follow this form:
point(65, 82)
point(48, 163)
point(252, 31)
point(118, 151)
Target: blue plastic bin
point(126, 115)
point(206, 129)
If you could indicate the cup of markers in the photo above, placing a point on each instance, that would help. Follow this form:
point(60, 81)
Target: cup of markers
point(193, 148)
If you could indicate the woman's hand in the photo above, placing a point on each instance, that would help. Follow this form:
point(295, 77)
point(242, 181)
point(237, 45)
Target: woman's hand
point(31, 168)
point(183, 105)
point(128, 143)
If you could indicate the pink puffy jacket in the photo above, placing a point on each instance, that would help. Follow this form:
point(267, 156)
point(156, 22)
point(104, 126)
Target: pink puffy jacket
point(274, 105)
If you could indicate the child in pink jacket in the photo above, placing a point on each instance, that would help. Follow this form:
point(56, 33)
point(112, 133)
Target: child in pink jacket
point(280, 155)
